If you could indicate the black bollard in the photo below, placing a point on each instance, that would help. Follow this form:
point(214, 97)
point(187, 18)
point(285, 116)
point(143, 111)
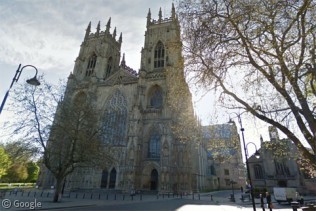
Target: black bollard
point(47, 194)
point(157, 196)
point(123, 197)
point(199, 197)
point(168, 195)
point(114, 196)
point(140, 197)
point(91, 196)
point(132, 197)
point(84, 194)
point(212, 197)
point(99, 196)
point(42, 193)
point(107, 196)
point(193, 196)
point(34, 194)
point(28, 194)
point(76, 195)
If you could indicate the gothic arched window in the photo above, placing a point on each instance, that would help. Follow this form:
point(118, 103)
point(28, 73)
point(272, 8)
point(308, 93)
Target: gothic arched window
point(115, 120)
point(109, 67)
point(258, 171)
point(155, 97)
point(154, 145)
point(159, 57)
point(91, 65)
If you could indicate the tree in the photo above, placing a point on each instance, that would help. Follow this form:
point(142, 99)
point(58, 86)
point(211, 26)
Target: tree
point(65, 131)
point(260, 55)
point(16, 173)
point(32, 171)
point(5, 162)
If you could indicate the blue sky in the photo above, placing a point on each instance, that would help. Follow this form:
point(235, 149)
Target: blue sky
point(48, 34)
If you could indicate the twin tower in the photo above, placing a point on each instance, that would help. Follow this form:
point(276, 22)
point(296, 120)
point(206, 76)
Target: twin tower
point(135, 113)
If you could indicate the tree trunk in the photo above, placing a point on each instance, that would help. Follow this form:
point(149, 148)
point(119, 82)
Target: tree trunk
point(59, 187)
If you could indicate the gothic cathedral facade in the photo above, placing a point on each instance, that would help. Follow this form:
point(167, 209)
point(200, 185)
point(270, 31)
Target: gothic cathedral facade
point(136, 117)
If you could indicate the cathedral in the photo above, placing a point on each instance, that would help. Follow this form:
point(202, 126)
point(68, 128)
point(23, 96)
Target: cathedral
point(137, 110)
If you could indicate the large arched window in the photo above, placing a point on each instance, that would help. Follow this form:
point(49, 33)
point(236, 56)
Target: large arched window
point(115, 119)
point(159, 57)
point(155, 97)
point(154, 145)
point(91, 65)
point(109, 67)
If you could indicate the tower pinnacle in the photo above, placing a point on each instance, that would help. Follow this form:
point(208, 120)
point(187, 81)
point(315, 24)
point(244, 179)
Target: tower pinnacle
point(98, 29)
point(148, 17)
point(108, 26)
point(173, 12)
point(88, 30)
point(160, 15)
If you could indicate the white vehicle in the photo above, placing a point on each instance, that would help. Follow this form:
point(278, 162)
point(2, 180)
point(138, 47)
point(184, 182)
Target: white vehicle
point(285, 194)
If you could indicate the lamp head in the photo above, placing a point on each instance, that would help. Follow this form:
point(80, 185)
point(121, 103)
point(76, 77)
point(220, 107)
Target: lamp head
point(33, 81)
point(257, 154)
point(231, 121)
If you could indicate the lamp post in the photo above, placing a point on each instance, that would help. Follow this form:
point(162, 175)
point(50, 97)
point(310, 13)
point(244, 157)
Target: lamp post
point(257, 155)
point(33, 81)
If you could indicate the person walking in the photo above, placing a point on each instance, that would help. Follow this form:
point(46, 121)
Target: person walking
point(268, 197)
point(262, 202)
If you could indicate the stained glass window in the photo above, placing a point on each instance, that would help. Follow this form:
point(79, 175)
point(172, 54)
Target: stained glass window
point(115, 119)
point(154, 145)
point(159, 57)
point(156, 98)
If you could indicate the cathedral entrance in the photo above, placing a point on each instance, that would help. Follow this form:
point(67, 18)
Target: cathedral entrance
point(154, 180)
point(112, 179)
point(104, 179)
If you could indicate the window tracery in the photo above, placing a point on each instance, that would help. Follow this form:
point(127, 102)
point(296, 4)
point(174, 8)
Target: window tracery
point(159, 56)
point(154, 145)
point(156, 99)
point(91, 65)
point(115, 120)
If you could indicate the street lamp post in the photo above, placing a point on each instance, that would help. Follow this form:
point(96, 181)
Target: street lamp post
point(33, 81)
point(257, 155)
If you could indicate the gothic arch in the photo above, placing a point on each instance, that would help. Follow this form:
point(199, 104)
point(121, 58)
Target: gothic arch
point(109, 67)
point(159, 55)
point(114, 124)
point(155, 97)
point(92, 60)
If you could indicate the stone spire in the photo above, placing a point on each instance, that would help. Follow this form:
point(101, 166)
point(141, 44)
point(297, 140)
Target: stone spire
point(98, 29)
point(160, 15)
point(114, 33)
point(88, 30)
point(108, 26)
point(173, 12)
point(123, 63)
point(148, 17)
point(120, 39)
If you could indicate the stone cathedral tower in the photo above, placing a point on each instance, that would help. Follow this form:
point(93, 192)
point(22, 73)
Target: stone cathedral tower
point(135, 115)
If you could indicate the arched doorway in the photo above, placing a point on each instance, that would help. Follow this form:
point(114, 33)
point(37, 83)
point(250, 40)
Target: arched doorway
point(154, 180)
point(104, 179)
point(112, 179)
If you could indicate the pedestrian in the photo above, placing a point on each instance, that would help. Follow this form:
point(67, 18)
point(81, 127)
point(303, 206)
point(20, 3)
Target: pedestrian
point(269, 203)
point(262, 202)
point(241, 189)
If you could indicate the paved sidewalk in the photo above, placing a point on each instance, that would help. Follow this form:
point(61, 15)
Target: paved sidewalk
point(91, 201)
